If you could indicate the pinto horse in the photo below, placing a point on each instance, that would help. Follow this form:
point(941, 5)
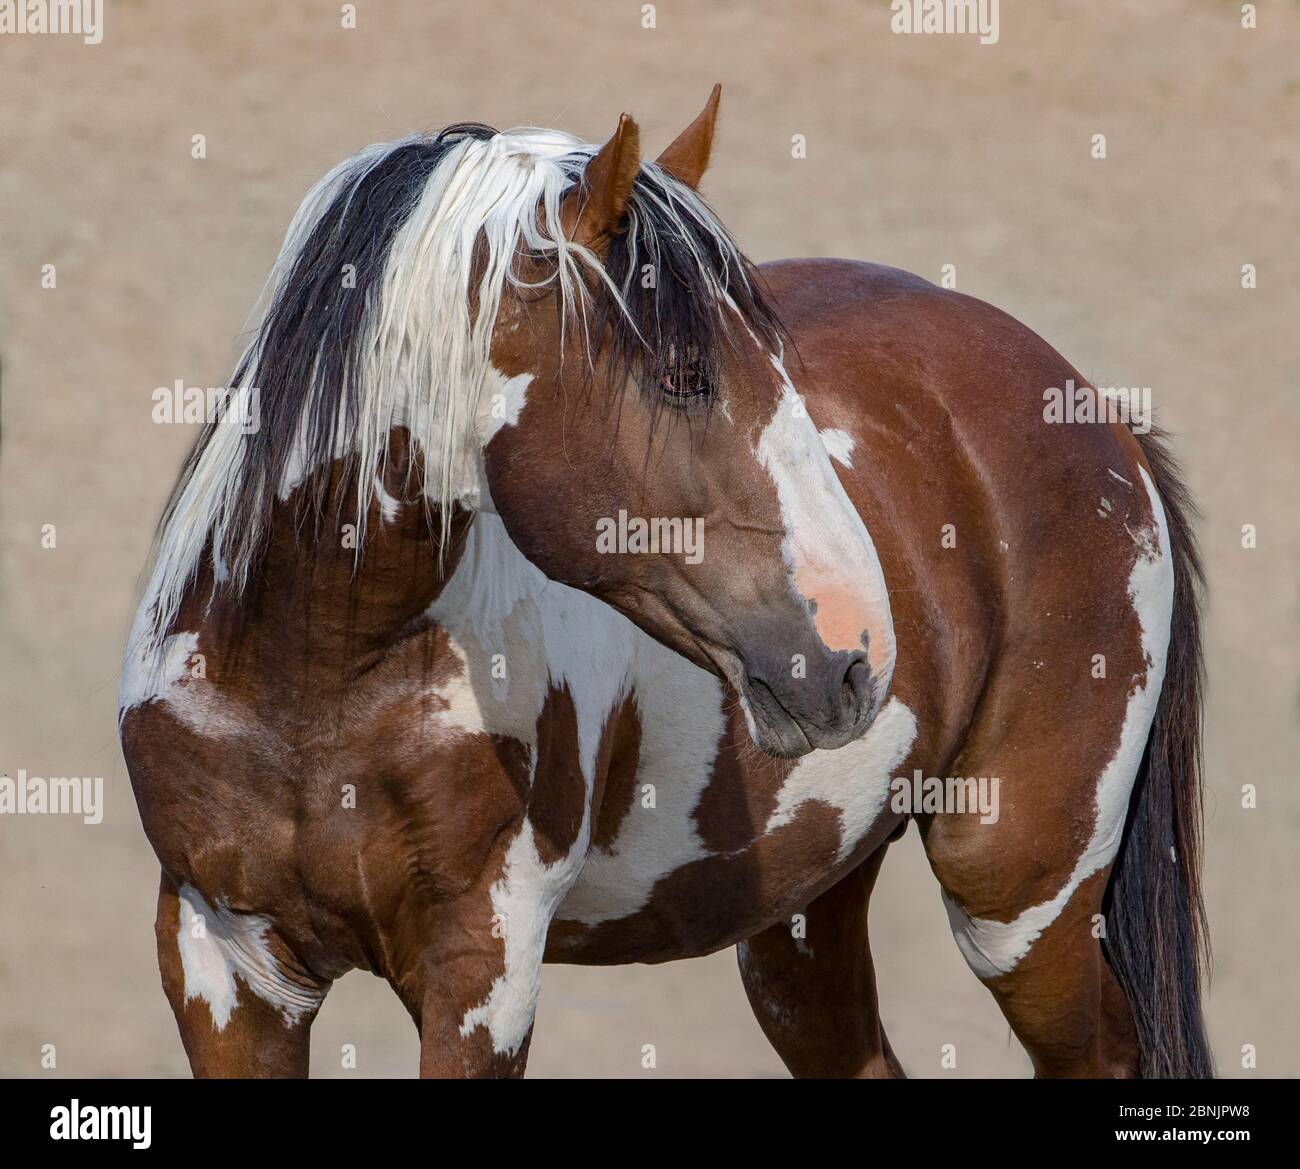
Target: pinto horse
point(392, 700)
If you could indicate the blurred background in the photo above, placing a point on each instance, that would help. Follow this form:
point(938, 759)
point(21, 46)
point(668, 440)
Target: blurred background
point(921, 151)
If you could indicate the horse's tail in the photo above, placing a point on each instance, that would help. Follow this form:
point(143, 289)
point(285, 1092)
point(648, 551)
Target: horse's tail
point(1157, 943)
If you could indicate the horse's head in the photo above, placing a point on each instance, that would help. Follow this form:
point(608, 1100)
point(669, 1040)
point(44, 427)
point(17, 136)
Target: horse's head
point(643, 441)
point(572, 339)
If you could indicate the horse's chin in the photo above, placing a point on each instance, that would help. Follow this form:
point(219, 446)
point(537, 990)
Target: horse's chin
point(787, 742)
point(771, 727)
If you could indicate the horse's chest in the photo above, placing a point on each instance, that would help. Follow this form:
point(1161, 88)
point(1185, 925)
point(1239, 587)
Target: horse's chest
point(686, 837)
point(700, 840)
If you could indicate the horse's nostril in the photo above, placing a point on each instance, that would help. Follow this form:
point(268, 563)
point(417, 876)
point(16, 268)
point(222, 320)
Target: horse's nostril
point(855, 690)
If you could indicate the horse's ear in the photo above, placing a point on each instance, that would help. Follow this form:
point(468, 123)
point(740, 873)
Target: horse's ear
point(600, 203)
point(688, 156)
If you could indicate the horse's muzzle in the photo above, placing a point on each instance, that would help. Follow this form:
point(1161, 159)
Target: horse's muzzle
point(790, 718)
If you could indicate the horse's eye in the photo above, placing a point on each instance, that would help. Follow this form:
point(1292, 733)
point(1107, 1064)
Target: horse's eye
point(685, 381)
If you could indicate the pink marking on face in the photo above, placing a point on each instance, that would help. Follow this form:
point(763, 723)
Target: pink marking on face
point(843, 614)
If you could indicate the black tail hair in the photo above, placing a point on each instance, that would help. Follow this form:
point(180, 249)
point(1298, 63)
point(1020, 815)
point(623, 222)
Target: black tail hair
point(1157, 942)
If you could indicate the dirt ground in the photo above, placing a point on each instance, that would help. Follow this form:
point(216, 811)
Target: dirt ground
point(922, 151)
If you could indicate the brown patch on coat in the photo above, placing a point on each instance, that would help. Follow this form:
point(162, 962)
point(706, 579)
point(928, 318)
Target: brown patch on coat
point(616, 772)
point(697, 908)
point(559, 793)
point(742, 791)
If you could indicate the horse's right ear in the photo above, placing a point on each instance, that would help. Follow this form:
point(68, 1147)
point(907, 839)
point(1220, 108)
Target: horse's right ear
point(596, 209)
point(687, 157)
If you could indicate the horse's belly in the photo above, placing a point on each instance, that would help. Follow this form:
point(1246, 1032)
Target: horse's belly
point(705, 855)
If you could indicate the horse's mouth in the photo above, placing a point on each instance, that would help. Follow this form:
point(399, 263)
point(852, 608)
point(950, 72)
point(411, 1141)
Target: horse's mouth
point(779, 733)
point(773, 729)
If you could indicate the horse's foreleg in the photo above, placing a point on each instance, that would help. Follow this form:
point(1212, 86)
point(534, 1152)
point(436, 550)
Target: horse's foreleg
point(474, 1013)
point(812, 985)
point(243, 1005)
point(473, 981)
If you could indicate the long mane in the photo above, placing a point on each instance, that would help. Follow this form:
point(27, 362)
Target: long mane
point(365, 323)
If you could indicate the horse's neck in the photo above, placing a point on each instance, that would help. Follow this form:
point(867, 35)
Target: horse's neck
point(489, 580)
point(345, 603)
point(514, 634)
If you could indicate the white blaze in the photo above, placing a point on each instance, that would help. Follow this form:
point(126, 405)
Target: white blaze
point(833, 562)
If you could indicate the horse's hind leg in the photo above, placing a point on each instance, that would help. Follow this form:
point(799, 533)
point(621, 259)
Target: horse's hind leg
point(243, 1005)
point(1053, 985)
point(813, 990)
point(1024, 898)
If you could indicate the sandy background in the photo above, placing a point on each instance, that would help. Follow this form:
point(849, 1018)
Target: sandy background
point(922, 151)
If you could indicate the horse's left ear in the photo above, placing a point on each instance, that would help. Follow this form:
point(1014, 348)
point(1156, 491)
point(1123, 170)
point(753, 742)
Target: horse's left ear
point(688, 156)
point(597, 208)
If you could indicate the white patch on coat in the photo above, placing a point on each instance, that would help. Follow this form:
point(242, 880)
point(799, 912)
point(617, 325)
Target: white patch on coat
point(497, 606)
point(217, 945)
point(389, 506)
point(490, 609)
point(680, 712)
point(839, 445)
point(500, 611)
point(995, 947)
point(524, 901)
point(166, 676)
point(854, 779)
point(503, 401)
point(148, 675)
point(833, 562)
point(682, 730)
point(588, 652)
point(461, 712)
